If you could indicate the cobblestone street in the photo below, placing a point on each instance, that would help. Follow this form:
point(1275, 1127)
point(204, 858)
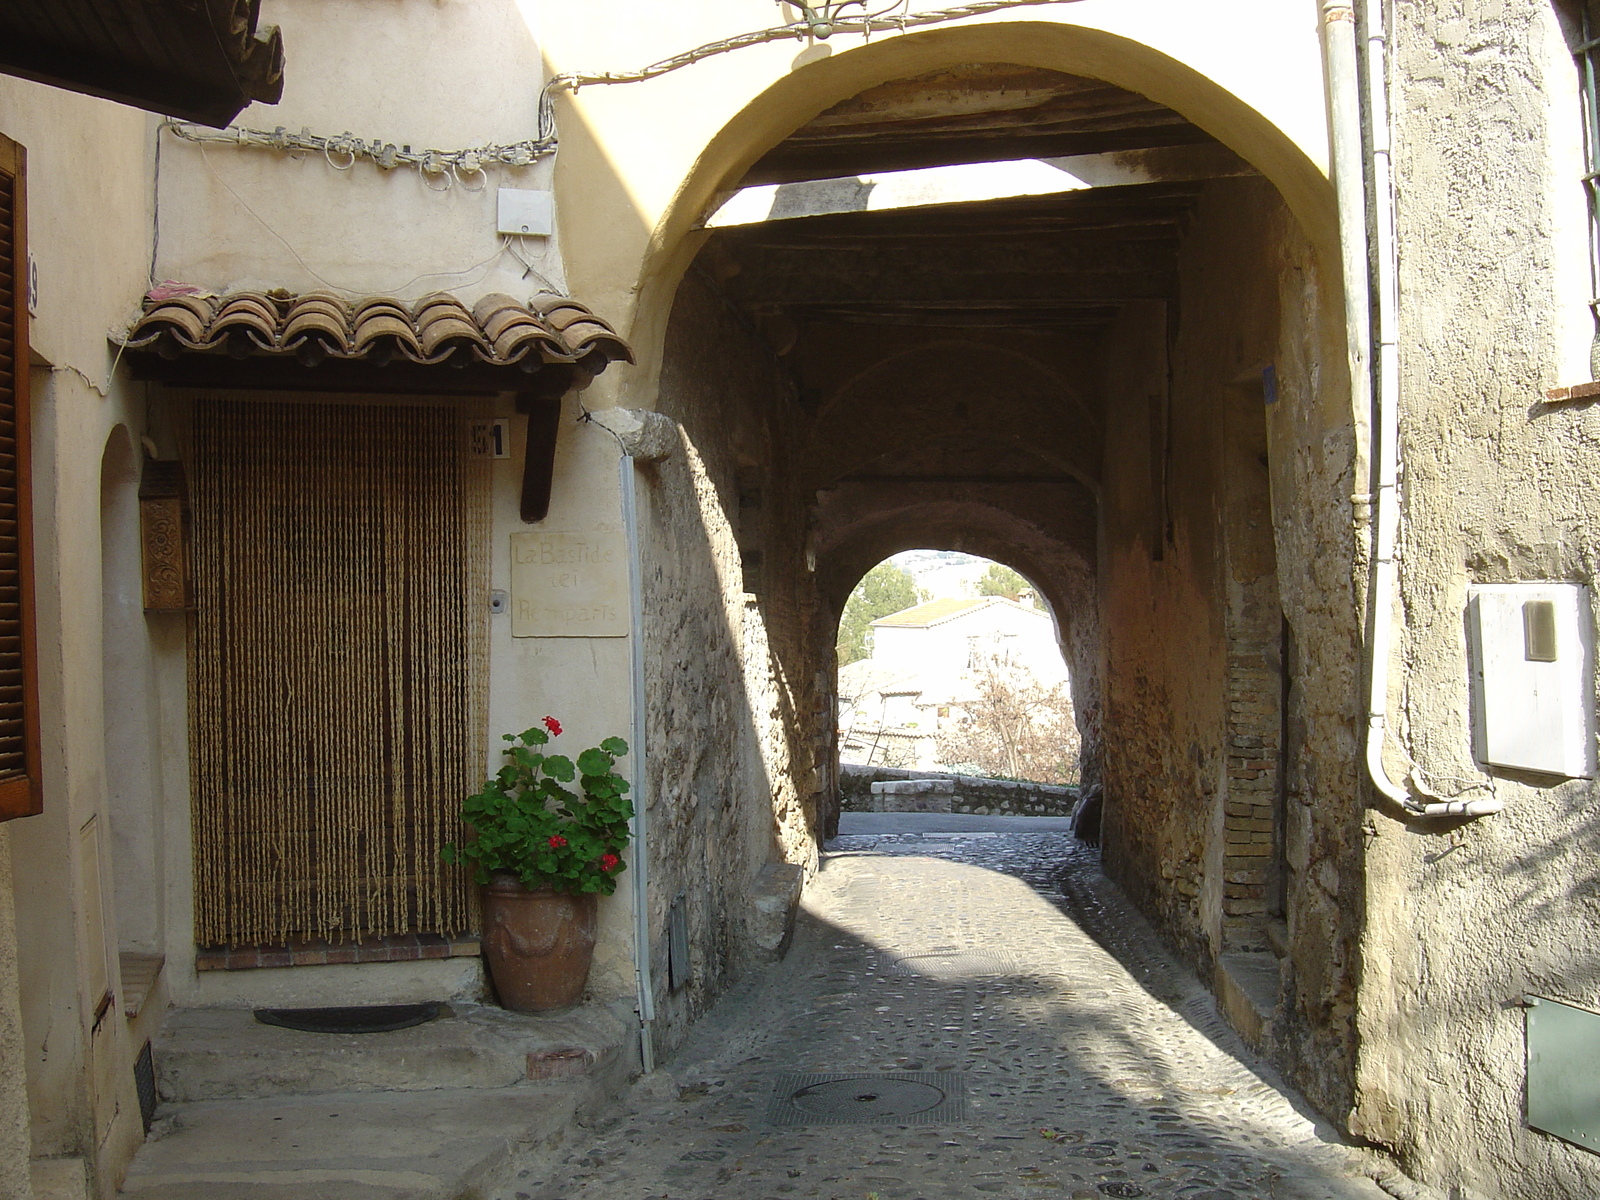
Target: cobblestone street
point(1088, 1068)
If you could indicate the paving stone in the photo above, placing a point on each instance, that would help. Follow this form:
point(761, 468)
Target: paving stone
point(1095, 1066)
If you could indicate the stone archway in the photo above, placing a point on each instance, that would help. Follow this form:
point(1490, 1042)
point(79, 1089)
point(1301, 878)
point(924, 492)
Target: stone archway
point(1139, 389)
point(1290, 162)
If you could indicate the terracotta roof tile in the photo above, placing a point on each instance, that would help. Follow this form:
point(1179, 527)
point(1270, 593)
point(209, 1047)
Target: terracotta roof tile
point(933, 610)
point(437, 328)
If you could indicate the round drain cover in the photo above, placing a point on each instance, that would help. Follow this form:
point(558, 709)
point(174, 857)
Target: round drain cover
point(866, 1099)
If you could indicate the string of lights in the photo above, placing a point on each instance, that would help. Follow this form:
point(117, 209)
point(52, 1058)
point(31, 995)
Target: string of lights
point(442, 169)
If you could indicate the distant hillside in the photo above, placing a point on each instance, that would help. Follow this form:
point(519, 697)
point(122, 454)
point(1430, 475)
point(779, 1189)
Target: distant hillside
point(941, 573)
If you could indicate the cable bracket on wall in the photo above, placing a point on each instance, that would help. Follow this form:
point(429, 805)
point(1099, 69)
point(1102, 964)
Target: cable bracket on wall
point(466, 167)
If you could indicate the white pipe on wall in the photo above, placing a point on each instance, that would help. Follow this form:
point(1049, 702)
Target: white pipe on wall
point(641, 848)
point(1371, 271)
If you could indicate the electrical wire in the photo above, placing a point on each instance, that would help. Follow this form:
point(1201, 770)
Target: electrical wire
point(455, 166)
point(155, 205)
point(451, 166)
point(819, 27)
point(528, 268)
point(322, 279)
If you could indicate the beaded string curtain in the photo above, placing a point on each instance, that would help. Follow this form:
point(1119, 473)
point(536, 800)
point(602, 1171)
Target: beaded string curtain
point(338, 668)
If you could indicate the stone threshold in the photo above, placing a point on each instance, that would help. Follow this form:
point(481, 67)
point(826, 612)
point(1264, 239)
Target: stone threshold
point(452, 1108)
point(317, 952)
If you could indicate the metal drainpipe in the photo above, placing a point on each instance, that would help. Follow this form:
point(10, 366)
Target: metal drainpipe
point(1367, 227)
point(641, 849)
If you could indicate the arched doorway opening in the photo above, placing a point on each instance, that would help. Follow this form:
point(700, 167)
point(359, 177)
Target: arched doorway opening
point(1130, 388)
point(130, 723)
point(950, 664)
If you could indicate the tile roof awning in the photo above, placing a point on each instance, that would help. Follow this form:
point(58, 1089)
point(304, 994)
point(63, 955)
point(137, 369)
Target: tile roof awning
point(200, 60)
point(313, 327)
point(317, 342)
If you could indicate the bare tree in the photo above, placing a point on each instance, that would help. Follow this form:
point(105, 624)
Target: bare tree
point(1014, 726)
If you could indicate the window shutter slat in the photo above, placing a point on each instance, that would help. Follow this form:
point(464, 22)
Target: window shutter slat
point(20, 792)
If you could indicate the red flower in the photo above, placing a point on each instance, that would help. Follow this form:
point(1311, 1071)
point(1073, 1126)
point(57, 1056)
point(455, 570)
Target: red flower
point(553, 725)
point(609, 862)
point(557, 841)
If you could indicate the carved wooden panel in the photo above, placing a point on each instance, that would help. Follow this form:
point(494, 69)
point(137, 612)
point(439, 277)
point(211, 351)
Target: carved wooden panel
point(163, 538)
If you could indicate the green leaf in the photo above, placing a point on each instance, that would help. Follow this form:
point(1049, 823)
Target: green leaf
point(595, 763)
point(512, 817)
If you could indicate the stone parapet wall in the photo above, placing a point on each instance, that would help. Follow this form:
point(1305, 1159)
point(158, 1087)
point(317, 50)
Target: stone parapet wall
point(972, 793)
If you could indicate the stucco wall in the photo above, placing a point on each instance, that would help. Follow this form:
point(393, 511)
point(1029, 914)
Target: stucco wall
point(439, 75)
point(14, 1132)
point(89, 234)
point(1499, 487)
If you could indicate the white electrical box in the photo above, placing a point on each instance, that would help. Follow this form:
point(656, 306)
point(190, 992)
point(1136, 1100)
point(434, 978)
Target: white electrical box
point(1533, 654)
point(527, 213)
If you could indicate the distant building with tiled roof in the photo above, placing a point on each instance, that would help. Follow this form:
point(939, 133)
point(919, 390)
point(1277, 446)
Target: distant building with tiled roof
point(923, 670)
point(935, 611)
point(949, 635)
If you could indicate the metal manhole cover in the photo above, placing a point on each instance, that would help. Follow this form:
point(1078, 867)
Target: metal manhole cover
point(953, 965)
point(902, 1098)
point(1094, 1150)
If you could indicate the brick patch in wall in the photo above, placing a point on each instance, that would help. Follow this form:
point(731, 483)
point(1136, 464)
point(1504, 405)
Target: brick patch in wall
point(318, 952)
point(1578, 391)
point(1252, 771)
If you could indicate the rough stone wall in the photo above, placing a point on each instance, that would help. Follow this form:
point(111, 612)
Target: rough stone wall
point(736, 774)
point(1312, 455)
point(1500, 486)
point(1190, 606)
point(1163, 765)
point(1250, 850)
point(973, 794)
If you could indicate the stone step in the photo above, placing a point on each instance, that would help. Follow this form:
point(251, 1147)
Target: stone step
point(226, 1054)
point(59, 1179)
point(437, 1145)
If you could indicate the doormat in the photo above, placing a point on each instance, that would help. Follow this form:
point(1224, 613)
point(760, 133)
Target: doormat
point(899, 1098)
point(371, 1018)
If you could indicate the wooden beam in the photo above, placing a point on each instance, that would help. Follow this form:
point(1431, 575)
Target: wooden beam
point(539, 454)
point(974, 113)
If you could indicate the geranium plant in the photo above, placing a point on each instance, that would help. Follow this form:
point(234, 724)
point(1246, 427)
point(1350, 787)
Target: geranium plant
point(527, 822)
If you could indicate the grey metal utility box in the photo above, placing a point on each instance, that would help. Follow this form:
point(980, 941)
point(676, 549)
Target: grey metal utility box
point(1564, 1071)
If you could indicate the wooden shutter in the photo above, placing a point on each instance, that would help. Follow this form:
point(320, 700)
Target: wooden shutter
point(20, 792)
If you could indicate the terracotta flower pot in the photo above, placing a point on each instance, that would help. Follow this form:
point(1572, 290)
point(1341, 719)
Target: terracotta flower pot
point(539, 944)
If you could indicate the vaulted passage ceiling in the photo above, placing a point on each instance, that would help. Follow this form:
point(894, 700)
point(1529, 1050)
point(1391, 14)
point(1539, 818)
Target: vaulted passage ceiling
point(1064, 261)
point(980, 112)
point(950, 355)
